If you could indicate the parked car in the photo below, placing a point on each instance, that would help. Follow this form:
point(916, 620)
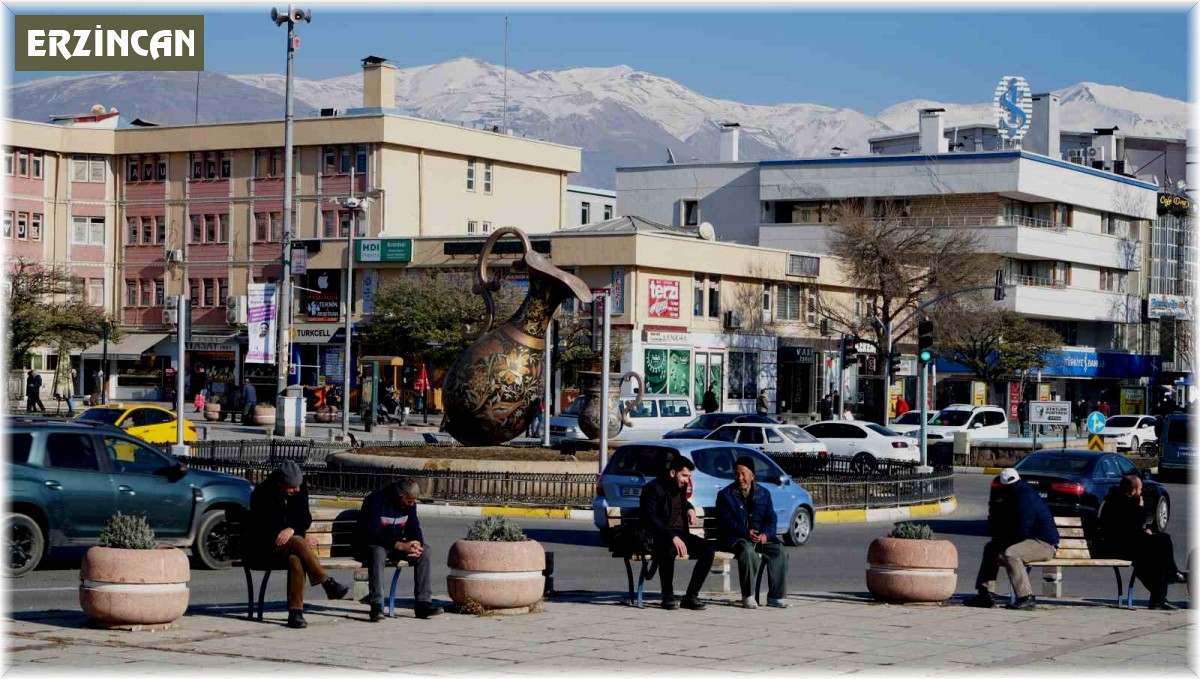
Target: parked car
point(1176, 446)
point(770, 438)
point(656, 415)
point(151, 424)
point(911, 421)
point(1075, 483)
point(1129, 431)
point(700, 426)
point(565, 425)
point(865, 443)
point(981, 422)
point(65, 479)
point(634, 465)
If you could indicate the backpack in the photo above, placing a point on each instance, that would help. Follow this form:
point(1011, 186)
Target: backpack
point(628, 539)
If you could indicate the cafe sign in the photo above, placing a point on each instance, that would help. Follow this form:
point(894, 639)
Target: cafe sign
point(1173, 204)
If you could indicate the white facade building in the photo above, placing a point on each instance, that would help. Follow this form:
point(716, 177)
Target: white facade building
point(586, 205)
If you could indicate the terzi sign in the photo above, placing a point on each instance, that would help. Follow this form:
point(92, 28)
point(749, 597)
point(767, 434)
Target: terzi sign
point(664, 298)
point(109, 42)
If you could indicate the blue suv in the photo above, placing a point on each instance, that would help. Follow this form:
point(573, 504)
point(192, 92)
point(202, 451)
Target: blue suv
point(634, 465)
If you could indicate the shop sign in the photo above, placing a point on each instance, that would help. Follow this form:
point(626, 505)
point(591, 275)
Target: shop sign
point(384, 250)
point(1168, 306)
point(1173, 204)
point(323, 298)
point(618, 290)
point(664, 298)
point(312, 333)
point(1133, 400)
point(211, 346)
point(370, 283)
point(1014, 401)
point(299, 261)
point(660, 337)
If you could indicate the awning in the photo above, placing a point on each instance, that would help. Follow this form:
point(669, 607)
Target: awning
point(130, 348)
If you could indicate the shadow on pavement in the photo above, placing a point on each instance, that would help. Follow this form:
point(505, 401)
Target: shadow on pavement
point(585, 538)
point(976, 527)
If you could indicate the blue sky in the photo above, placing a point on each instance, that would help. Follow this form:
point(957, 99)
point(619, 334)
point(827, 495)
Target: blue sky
point(865, 60)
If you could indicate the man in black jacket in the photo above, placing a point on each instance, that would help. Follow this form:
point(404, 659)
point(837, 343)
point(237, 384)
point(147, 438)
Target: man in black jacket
point(1124, 535)
point(388, 531)
point(667, 513)
point(279, 518)
point(747, 520)
point(1022, 530)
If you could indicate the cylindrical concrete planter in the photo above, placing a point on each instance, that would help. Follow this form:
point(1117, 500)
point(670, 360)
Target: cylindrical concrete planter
point(134, 587)
point(496, 575)
point(264, 415)
point(912, 570)
point(212, 411)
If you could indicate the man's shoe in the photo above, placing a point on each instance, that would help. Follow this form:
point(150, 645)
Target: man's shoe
point(749, 602)
point(425, 610)
point(693, 604)
point(983, 599)
point(296, 620)
point(777, 603)
point(334, 589)
point(1163, 605)
point(376, 613)
point(670, 604)
point(1023, 603)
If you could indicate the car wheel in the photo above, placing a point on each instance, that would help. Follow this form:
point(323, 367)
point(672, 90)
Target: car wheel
point(26, 544)
point(1162, 514)
point(863, 463)
point(800, 527)
point(213, 546)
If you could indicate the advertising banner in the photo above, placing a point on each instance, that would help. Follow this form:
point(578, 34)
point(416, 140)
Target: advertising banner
point(1014, 400)
point(1050, 412)
point(664, 298)
point(618, 290)
point(260, 319)
point(1133, 400)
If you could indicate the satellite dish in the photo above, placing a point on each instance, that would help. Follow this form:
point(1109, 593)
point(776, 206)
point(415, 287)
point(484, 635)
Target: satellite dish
point(707, 232)
point(1182, 185)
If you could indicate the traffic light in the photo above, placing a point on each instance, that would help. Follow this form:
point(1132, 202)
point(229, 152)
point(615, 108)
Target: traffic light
point(925, 341)
point(849, 349)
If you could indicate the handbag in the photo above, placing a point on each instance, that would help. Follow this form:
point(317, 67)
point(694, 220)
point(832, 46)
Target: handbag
point(629, 539)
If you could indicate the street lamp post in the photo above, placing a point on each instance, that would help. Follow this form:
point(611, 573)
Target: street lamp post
point(105, 331)
point(355, 205)
point(283, 346)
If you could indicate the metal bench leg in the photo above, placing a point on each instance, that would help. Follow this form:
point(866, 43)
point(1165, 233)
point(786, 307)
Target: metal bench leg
point(762, 567)
point(249, 594)
point(641, 587)
point(629, 577)
point(392, 594)
point(262, 594)
point(1117, 572)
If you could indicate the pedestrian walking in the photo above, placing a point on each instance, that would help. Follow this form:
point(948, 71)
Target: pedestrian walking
point(249, 400)
point(388, 530)
point(668, 514)
point(763, 405)
point(1104, 408)
point(827, 408)
point(901, 406)
point(748, 525)
point(1023, 414)
point(33, 392)
point(709, 401)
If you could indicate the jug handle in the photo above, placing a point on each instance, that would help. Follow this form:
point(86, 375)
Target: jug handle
point(486, 286)
point(641, 391)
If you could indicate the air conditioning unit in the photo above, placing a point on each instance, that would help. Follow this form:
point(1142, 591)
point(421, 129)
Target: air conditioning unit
point(332, 112)
point(733, 320)
point(171, 302)
point(235, 310)
point(170, 316)
point(1077, 156)
point(174, 255)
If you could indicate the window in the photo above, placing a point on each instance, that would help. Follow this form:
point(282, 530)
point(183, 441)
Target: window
point(691, 212)
point(210, 165)
point(35, 227)
point(160, 229)
point(23, 163)
point(35, 161)
point(79, 168)
point(803, 265)
point(226, 164)
point(131, 292)
point(714, 297)
point(71, 451)
point(197, 229)
point(487, 176)
point(8, 224)
point(344, 165)
point(861, 307)
point(1112, 281)
point(470, 174)
point(147, 292)
point(210, 291)
point(607, 212)
point(773, 436)
point(345, 219)
point(743, 375)
point(268, 163)
point(717, 462)
point(585, 213)
point(728, 434)
point(147, 231)
point(8, 162)
point(95, 291)
point(133, 458)
point(471, 225)
point(87, 230)
point(360, 159)
point(222, 291)
point(1063, 215)
point(262, 226)
point(810, 305)
point(97, 168)
point(698, 295)
point(487, 227)
point(329, 160)
point(277, 226)
point(162, 168)
point(19, 447)
point(766, 302)
point(750, 436)
point(160, 292)
point(131, 172)
point(329, 220)
point(147, 168)
point(194, 290)
point(210, 229)
point(134, 224)
point(22, 225)
point(788, 306)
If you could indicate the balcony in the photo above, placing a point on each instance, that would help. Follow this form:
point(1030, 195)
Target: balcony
point(1052, 299)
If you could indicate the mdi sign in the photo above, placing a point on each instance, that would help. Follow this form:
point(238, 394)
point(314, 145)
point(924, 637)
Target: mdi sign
point(109, 42)
point(384, 250)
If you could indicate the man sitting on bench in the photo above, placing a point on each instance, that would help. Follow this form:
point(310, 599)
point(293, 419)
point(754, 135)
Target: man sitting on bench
point(747, 520)
point(388, 530)
point(667, 513)
point(279, 517)
point(1022, 530)
point(1125, 536)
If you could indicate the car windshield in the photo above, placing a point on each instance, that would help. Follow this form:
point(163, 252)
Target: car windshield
point(1178, 430)
point(797, 435)
point(1055, 464)
point(880, 430)
point(950, 418)
point(1121, 421)
point(911, 417)
point(105, 415)
point(575, 407)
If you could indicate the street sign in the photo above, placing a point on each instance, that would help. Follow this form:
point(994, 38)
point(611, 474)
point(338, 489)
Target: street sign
point(384, 250)
point(1095, 422)
point(1095, 443)
point(1050, 412)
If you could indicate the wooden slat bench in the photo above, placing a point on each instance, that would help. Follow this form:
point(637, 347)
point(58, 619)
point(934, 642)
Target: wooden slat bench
point(1075, 551)
point(707, 530)
point(333, 531)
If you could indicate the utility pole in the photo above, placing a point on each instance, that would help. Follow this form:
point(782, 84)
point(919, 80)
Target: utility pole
point(355, 205)
point(604, 377)
point(180, 449)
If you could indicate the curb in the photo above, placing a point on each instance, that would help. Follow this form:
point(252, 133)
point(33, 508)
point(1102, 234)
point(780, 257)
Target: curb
point(990, 471)
point(887, 513)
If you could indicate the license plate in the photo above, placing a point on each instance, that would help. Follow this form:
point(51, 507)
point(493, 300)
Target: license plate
point(631, 491)
point(1043, 495)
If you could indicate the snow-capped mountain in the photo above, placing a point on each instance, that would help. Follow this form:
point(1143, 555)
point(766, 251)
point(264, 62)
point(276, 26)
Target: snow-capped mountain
point(619, 116)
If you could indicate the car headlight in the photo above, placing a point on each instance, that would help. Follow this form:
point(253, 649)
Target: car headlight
point(572, 430)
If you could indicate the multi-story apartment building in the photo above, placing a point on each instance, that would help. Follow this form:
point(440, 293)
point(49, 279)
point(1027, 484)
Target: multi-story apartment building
point(1071, 237)
point(144, 212)
point(586, 205)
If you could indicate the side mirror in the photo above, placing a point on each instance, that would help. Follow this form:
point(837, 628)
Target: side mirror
point(1145, 474)
point(174, 473)
point(977, 425)
point(777, 480)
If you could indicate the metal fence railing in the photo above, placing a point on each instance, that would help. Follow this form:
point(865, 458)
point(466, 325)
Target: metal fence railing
point(834, 492)
point(266, 451)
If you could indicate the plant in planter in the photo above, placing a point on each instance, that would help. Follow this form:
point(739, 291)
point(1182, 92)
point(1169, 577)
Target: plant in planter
point(496, 567)
point(127, 581)
point(910, 565)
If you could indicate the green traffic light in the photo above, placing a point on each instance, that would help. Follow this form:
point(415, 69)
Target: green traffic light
point(926, 356)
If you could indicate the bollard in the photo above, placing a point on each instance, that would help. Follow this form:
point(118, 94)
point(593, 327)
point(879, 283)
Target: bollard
point(202, 432)
point(1052, 582)
point(392, 435)
point(548, 572)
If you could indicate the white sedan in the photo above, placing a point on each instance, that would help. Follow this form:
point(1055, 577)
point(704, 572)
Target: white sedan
point(1129, 431)
point(865, 443)
point(770, 438)
point(911, 421)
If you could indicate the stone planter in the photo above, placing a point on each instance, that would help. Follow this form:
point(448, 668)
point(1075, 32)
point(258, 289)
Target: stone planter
point(134, 588)
point(212, 411)
point(264, 415)
point(912, 570)
point(496, 575)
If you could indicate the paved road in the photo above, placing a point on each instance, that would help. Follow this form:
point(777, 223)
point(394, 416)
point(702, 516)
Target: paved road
point(832, 561)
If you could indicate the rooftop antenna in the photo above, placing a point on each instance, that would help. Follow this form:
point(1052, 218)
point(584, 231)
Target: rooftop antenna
point(504, 112)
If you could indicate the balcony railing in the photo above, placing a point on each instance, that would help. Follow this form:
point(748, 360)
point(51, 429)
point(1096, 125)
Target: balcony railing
point(1032, 222)
point(1036, 281)
point(949, 221)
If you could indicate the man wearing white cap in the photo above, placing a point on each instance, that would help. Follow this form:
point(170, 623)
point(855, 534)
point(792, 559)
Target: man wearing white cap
point(1022, 530)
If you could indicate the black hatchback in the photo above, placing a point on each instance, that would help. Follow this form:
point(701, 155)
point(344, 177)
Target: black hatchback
point(1075, 483)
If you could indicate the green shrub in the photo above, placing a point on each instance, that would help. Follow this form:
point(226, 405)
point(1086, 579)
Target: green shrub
point(126, 531)
point(496, 529)
point(912, 531)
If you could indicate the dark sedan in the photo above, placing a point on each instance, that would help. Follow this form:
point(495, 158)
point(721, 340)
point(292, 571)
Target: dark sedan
point(700, 426)
point(1075, 483)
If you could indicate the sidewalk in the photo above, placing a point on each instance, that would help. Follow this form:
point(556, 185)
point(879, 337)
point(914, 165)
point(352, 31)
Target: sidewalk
point(580, 632)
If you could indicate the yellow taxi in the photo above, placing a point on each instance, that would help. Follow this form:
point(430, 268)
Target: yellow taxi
point(152, 424)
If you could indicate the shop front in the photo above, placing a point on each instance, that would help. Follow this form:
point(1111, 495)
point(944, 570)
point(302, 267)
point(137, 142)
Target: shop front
point(136, 373)
point(319, 361)
point(735, 367)
point(211, 363)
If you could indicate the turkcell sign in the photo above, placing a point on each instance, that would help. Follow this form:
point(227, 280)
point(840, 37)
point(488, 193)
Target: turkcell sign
point(384, 250)
point(109, 42)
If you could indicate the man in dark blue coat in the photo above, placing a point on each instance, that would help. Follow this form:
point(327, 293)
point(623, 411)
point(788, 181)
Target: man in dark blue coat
point(746, 517)
point(388, 530)
point(1022, 530)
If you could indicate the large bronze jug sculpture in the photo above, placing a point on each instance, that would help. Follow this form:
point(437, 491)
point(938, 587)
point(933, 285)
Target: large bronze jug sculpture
point(618, 417)
point(488, 391)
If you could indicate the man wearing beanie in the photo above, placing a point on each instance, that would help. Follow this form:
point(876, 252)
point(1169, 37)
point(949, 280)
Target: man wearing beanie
point(1022, 530)
point(279, 517)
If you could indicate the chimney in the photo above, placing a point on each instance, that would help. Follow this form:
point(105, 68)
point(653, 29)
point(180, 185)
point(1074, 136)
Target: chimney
point(379, 83)
point(933, 131)
point(729, 142)
point(1043, 137)
point(1104, 141)
point(837, 152)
